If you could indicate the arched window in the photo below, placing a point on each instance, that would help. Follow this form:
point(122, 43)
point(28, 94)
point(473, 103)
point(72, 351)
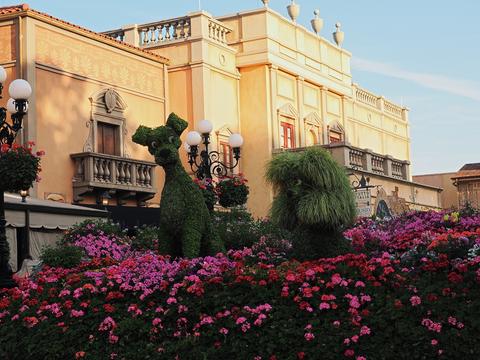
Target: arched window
point(313, 129)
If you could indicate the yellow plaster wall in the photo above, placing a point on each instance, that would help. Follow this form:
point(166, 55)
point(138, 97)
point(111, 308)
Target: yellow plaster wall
point(256, 127)
point(69, 70)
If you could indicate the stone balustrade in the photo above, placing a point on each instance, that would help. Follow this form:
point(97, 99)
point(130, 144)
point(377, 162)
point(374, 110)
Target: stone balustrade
point(196, 25)
point(365, 160)
point(118, 34)
point(378, 102)
point(164, 31)
point(99, 172)
point(217, 31)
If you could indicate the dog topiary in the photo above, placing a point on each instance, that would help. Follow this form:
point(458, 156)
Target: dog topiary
point(185, 227)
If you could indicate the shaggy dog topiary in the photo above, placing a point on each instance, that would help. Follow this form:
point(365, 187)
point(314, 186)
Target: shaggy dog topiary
point(185, 225)
point(313, 199)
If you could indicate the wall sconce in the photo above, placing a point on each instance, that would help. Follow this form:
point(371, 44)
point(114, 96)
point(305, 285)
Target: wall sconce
point(103, 198)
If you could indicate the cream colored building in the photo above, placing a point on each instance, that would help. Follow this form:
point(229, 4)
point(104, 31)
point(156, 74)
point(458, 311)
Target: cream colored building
point(255, 72)
point(90, 93)
point(283, 87)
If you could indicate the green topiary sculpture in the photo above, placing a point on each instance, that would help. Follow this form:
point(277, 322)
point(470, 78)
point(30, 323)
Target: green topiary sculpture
point(313, 199)
point(185, 224)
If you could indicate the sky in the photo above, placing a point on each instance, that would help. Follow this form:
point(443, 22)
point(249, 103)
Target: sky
point(419, 53)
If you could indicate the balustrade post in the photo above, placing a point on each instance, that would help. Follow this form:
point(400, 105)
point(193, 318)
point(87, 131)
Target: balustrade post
point(113, 171)
point(387, 166)
point(406, 170)
point(89, 168)
point(131, 35)
point(134, 174)
point(341, 154)
point(381, 103)
point(367, 160)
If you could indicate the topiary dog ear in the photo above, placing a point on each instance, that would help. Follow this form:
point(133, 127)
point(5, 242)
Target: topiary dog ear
point(141, 135)
point(176, 124)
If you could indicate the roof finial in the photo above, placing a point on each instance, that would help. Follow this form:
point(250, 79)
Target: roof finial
point(265, 2)
point(338, 35)
point(293, 11)
point(317, 22)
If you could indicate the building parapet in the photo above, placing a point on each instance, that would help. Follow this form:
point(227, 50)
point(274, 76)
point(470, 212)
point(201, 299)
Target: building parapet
point(195, 25)
point(379, 102)
point(125, 177)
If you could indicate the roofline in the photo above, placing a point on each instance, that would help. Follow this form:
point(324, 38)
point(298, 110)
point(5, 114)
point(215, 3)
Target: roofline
point(433, 174)
point(24, 10)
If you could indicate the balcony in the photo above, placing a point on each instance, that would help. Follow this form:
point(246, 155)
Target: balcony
point(365, 160)
point(122, 177)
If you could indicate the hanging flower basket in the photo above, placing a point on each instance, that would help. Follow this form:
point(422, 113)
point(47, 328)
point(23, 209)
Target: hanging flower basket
point(232, 191)
point(19, 167)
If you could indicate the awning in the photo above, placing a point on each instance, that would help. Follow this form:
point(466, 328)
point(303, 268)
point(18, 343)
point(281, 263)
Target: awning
point(46, 214)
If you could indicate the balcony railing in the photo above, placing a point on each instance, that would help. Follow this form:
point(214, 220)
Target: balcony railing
point(158, 33)
point(365, 160)
point(121, 176)
point(378, 102)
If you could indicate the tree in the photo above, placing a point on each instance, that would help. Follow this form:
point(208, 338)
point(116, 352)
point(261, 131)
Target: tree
point(313, 199)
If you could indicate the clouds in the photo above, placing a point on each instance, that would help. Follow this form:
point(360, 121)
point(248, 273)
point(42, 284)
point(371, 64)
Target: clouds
point(460, 87)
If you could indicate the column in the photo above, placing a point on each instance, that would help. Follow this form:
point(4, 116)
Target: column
point(323, 92)
point(300, 137)
point(274, 109)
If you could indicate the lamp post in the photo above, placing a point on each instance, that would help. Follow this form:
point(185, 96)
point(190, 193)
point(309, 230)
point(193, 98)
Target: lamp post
point(17, 106)
point(210, 163)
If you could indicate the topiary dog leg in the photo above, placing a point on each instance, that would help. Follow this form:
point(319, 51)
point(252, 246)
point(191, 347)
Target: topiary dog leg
point(212, 241)
point(166, 244)
point(191, 239)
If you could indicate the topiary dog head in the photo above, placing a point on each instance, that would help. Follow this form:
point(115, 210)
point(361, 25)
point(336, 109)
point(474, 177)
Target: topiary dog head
point(163, 142)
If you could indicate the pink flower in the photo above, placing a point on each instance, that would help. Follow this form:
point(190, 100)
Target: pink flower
point(223, 331)
point(309, 336)
point(324, 306)
point(349, 353)
point(171, 300)
point(364, 330)
point(434, 342)
point(415, 300)
point(361, 358)
point(241, 320)
point(336, 323)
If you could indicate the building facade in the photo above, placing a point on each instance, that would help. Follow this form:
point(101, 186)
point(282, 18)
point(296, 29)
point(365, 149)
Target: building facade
point(90, 93)
point(256, 72)
point(284, 88)
point(467, 182)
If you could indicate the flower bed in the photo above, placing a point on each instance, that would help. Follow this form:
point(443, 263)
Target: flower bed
point(252, 304)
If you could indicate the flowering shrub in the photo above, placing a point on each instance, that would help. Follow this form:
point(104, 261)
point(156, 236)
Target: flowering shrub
point(232, 191)
point(19, 166)
point(248, 304)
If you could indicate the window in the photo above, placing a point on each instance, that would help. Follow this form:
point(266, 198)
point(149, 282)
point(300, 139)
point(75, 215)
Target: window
point(287, 135)
point(107, 139)
point(335, 137)
point(226, 153)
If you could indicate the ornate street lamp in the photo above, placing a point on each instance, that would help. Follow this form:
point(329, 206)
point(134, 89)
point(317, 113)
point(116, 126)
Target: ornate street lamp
point(210, 163)
point(17, 106)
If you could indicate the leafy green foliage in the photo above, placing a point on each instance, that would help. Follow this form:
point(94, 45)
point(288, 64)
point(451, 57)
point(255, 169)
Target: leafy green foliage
point(313, 199)
point(238, 229)
point(185, 225)
point(62, 256)
point(145, 238)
